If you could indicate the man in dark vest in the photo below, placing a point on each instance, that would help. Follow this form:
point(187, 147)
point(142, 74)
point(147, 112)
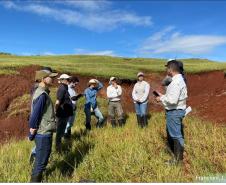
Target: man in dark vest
point(42, 123)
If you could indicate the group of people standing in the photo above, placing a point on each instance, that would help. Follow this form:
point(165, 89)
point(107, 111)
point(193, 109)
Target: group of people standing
point(47, 118)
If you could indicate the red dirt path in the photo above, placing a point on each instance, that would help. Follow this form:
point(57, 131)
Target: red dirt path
point(207, 96)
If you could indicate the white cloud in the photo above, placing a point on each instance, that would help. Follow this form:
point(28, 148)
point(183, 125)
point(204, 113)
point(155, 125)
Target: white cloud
point(91, 15)
point(80, 51)
point(171, 41)
point(87, 5)
point(48, 53)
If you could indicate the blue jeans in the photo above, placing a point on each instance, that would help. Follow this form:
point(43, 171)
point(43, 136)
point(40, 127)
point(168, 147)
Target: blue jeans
point(141, 108)
point(70, 122)
point(174, 125)
point(97, 113)
point(43, 150)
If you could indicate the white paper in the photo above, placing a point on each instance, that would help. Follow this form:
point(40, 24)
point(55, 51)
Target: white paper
point(188, 110)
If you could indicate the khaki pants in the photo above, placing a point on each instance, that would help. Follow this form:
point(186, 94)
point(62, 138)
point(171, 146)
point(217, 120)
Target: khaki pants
point(113, 108)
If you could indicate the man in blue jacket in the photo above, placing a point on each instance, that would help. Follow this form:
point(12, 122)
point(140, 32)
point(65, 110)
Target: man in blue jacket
point(42, 124)
point(91, 103)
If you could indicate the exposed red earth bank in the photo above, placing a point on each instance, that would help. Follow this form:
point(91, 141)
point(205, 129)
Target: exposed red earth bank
point(207, 97)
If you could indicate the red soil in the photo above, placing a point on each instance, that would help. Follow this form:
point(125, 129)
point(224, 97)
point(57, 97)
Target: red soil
point(13, 86)
point(207, 96)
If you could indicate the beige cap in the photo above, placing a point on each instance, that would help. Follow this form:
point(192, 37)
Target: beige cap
point(64, 76)
point(140, 74)
point(39, 75)
point(93, 81)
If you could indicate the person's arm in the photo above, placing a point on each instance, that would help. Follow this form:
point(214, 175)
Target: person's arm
point(37, 111)
point(172, 95)
point(60, 97)
point(100, 86)
point(134, 94)
point(146, 93)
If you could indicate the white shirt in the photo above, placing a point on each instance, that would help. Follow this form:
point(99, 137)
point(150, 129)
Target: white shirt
point(114, 94)
point(72, 93)
point(141, 91)
point(176, 94)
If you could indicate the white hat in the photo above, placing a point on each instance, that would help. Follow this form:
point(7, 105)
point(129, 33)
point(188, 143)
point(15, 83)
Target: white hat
point(140, 74)
point(93, 81)
point(112, 78)
point(63, 76)
point(170, 60)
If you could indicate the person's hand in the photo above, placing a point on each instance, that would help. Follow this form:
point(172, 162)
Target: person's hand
point(33, 131)
point(115, 86)
point(158, 99)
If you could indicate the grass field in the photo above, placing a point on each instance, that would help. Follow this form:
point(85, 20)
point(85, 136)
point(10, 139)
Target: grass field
point(102, 66)
point(128, 154)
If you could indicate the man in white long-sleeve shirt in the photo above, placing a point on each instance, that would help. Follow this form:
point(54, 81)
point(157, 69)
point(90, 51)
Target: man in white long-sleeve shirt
point(174, 102)
point(114, 92)
point(140, 96)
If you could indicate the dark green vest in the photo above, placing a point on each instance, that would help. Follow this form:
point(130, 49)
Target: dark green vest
point(47, 123)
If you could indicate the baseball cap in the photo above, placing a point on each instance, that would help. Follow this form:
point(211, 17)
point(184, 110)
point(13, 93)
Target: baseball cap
point(39, 75)
point(64, 77)
point(92, 81)
point(140, 74)
point(170, 61)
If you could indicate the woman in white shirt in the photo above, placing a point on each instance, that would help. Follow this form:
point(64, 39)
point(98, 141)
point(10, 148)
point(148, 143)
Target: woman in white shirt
point(114, 92)
point(140, 96)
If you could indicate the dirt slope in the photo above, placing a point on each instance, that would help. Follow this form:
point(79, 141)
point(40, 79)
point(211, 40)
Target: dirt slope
point(207, 96)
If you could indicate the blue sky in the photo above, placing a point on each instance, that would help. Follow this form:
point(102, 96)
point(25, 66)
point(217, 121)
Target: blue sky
point(162, 29)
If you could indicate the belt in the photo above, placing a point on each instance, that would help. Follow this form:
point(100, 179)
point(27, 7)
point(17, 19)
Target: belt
point(115, 101)
point(173, 110)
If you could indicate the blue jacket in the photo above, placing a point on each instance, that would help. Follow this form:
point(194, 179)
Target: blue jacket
point(91, 96)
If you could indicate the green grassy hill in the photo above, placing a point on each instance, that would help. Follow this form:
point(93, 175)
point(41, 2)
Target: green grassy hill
point(102, 66)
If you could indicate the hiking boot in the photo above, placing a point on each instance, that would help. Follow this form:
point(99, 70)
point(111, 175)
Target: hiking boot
point(88, 127)
point(145, 121)
point(36, 178)
point(113, 123)
point(121, 122)
point(58, 147)
point(170, 143)
point(100, 124)
point(142, 122)
point(178, 151)
point(139, 120)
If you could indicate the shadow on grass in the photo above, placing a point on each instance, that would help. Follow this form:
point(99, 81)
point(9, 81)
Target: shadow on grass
point(72, 156)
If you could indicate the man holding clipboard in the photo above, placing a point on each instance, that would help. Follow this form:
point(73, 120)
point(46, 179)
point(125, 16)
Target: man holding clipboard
point(174, 102)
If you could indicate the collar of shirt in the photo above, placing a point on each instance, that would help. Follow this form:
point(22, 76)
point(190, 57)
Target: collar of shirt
point(65, 86)
point(177, 76)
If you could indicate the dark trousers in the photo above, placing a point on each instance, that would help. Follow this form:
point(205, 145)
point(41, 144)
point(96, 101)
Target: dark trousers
point(61, 126)
point(43, 150)
point(97, 114)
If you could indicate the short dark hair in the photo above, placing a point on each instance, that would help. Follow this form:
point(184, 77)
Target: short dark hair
point(176, 65)
point(73, 79)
